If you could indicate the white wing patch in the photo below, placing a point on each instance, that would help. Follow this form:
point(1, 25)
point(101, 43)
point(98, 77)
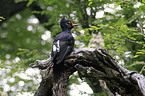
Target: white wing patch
point(57, 46)
point(54, 48)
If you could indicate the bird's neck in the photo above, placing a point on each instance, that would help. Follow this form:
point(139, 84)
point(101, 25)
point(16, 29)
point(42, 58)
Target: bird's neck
point(67, 30)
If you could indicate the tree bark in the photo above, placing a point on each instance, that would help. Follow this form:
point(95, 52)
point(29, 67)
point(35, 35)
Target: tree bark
point(94, 65)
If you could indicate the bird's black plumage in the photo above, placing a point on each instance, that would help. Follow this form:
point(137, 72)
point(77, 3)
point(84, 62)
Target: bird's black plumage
point(62, 46)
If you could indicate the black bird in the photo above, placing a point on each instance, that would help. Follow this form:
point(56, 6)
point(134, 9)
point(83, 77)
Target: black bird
point(62, 46)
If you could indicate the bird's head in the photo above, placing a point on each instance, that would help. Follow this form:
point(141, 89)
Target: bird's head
point(66, 24)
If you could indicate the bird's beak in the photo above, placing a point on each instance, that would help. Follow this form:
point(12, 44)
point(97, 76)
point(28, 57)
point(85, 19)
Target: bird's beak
point(75, 24)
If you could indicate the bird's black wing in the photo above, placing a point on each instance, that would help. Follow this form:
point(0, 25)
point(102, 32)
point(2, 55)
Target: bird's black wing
point(62, 46)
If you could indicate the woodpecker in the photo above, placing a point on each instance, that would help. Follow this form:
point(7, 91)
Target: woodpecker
point(63, 45)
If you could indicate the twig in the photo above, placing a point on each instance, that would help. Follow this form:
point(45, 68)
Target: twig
point(133, 41)
point(142, 69)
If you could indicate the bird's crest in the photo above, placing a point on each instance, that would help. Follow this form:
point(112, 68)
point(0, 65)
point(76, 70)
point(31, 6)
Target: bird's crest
point(63, 19)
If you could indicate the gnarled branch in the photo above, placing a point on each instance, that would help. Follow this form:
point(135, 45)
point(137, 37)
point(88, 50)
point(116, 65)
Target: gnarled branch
point(94, 65)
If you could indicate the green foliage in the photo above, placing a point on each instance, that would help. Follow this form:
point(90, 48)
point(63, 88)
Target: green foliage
point(84, 37)
point(139, 53)
point(21, 44)
point(30, 2)
point(16, 1)
point(1, 18)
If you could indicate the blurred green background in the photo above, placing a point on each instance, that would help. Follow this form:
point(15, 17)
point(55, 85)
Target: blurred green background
point(27, 29)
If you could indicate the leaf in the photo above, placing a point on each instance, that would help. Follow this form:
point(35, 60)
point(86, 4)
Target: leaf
point(143, 1)
point(2, 18)
point(141, 42)
point(136, 33)
point(111, 27)
point(94, 27)
point(135, 56)
point(17, 1)
point(102, 25)
point(139, 52)
point(90, 3)
point(30, 2)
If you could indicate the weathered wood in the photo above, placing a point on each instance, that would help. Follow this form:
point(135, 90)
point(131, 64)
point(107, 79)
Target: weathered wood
point(94, 65)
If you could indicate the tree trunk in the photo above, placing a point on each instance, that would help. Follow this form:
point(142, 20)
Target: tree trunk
point(94, 65)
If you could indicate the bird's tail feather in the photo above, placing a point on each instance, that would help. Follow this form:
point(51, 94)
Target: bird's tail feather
point(57, 70)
